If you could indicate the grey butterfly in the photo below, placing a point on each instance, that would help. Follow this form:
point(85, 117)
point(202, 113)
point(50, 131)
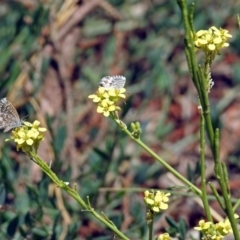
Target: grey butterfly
point(9, 117)
point(115, 82)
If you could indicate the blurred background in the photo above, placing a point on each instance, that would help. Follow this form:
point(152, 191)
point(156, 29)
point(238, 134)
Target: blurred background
point(53, 55)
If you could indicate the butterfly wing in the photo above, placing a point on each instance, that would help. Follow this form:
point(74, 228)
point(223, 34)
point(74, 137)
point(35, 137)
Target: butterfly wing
point(118, 81)
point(115, 82)
point(106, 82)
point(9, 117)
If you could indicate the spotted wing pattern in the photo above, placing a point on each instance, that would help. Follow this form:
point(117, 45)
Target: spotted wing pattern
point(115, 82)
point(9, 117)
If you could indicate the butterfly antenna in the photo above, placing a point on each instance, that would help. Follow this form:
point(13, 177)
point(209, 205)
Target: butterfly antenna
point(22, 120)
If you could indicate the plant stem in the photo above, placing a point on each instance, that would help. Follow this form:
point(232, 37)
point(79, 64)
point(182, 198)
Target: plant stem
point(215, 193)
point(203, 175)
point(226, 195)
point(150, 229)
point(192, 187)
point(74, 194)
point(200, 77)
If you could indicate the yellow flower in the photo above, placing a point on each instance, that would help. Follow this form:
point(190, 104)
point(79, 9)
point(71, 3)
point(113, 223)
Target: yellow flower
point(223, 33)
point(117, 92)
point(106, 107)
point(148, 197)
point(95, 97)
point(101, 94)
point(236, 216)
point(35, 125)
point(216, 237)
point(28, 136)
point(203, 225)
point(200, 33)
point(211, 47)
point(160, 200)
point(156, 201)
point(212, 40)
point(199, 38)
point(214, 231)
point(107, 99)
point(164, 236)
point(224, 227)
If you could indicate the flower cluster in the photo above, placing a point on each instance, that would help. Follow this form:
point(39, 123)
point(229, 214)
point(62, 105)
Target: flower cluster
point(107, 99)
point(156, 201)
point(211, 41)
point(29, 136)
point(213, 231)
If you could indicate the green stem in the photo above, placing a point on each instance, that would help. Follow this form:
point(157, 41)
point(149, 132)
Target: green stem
point(164, 163)
point(226, 194)
point(189, 45)
point(235, 207)
point(150, 229)
point(199, 77)
point(206, 107)
point(74, 194)
point(215, 193)
point(203, 175)
point(225, 177)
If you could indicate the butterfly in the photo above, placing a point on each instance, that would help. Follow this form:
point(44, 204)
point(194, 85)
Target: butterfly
point(115, 82)
point(9, 117)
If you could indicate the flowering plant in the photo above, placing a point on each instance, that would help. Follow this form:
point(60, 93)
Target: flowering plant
point(28, 137)
point(108, 101)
